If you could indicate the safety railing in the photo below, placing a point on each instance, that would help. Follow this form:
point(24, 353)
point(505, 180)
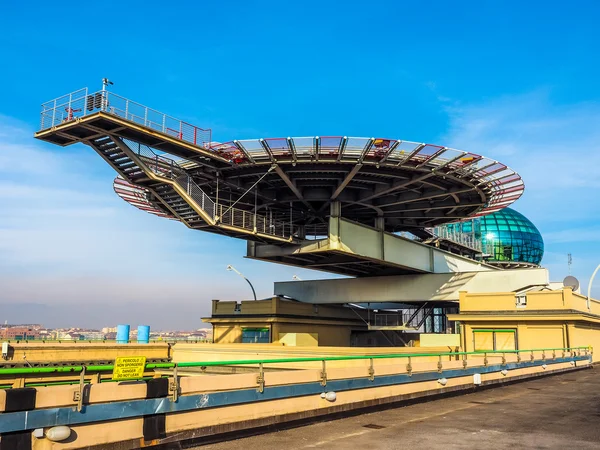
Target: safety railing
point(239, 218)
point(254, 222)
point(81, 103)
point(194, 191)
point(465, 239)
point(481, 358)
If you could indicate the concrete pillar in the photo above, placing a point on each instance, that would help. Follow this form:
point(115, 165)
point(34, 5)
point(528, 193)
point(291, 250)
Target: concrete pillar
point(335, 209)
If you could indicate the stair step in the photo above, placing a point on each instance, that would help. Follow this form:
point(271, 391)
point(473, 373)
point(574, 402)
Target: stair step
point(103, 140)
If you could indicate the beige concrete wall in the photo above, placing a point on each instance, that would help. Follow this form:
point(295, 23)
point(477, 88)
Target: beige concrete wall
point(299, 339)
point(329, 335)
point(439, 340)
point(131, 429)
point(83, 351)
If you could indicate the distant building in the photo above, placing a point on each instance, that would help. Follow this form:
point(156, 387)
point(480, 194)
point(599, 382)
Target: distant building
point(19, 333)
point(93, 335)
point(109, 330)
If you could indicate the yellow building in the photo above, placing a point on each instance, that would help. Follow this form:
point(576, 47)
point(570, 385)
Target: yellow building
point(536, 319)
point(282, 321)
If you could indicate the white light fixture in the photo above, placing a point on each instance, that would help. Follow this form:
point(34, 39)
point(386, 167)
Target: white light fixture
point(330, 396)
point(59, 433)
point(544, 366)
point(443, 381)
point(504, 372)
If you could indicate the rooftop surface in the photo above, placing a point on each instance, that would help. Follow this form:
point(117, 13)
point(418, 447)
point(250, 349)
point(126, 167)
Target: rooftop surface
point(553, 412)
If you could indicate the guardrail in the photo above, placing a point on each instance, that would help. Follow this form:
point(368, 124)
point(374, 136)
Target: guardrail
point(82, 103)
point(77, 370)
point(223, 214)
point(466, 239)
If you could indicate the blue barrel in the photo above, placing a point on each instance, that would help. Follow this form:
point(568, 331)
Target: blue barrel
point(143, 336)
point(122, 334)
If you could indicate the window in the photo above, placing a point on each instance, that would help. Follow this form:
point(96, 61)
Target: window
point(256, 336)
point(498, 339)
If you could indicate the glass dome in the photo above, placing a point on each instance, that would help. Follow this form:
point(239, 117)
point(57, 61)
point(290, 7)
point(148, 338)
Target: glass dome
point(507, 236)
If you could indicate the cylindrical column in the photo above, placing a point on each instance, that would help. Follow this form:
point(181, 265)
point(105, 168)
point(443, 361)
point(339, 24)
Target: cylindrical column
point(335, 209)
point(143, 334)
point(122, 334)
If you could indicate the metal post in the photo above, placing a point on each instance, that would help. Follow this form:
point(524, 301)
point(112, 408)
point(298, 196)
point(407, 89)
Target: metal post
point(85, 96)
point(589, 293)
point(53, 114)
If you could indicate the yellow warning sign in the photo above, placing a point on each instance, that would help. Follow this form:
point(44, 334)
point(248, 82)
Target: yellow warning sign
point(129, 367)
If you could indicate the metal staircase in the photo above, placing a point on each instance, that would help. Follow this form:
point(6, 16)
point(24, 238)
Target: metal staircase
point(106, 147)
point(167, 181)
point(179, 206)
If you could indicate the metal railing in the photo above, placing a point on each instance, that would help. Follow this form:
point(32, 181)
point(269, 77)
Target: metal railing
point(466, 239)
point(81, 103)
point(248, 220)
point(544, 354)
point(196, 193)
point(239, 218)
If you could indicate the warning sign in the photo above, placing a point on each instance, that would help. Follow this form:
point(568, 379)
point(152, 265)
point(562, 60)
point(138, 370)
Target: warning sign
point(129, 367)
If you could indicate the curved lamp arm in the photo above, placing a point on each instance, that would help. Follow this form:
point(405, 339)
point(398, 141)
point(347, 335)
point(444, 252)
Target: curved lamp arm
point(231, 268)
point(590, 286)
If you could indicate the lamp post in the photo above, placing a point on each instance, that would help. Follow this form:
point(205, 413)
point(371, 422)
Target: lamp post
point(231, 268)
point(590, 286)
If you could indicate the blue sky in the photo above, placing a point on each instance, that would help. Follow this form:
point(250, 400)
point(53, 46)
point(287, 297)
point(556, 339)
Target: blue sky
point(510, 80)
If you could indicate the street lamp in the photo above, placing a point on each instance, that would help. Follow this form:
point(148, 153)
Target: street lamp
point(231, 268)
point(590, 286)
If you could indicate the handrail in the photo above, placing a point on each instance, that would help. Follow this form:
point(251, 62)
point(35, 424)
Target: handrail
point(109, 367)
point(81, 103)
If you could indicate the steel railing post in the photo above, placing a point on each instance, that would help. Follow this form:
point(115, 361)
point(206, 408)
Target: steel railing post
point(53, 114)
point(85, 96)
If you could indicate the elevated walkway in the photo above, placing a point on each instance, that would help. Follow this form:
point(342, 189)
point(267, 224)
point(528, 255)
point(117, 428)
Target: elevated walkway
point(358, 250)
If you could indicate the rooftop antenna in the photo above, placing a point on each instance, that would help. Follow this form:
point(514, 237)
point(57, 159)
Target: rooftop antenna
point(569, 262)
point(105, 83)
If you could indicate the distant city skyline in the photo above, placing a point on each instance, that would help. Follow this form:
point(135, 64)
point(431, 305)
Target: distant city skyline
point(490, 78)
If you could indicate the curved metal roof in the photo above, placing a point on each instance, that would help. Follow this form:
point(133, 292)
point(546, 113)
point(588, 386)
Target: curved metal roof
point(504, 184)
point(409, 184)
